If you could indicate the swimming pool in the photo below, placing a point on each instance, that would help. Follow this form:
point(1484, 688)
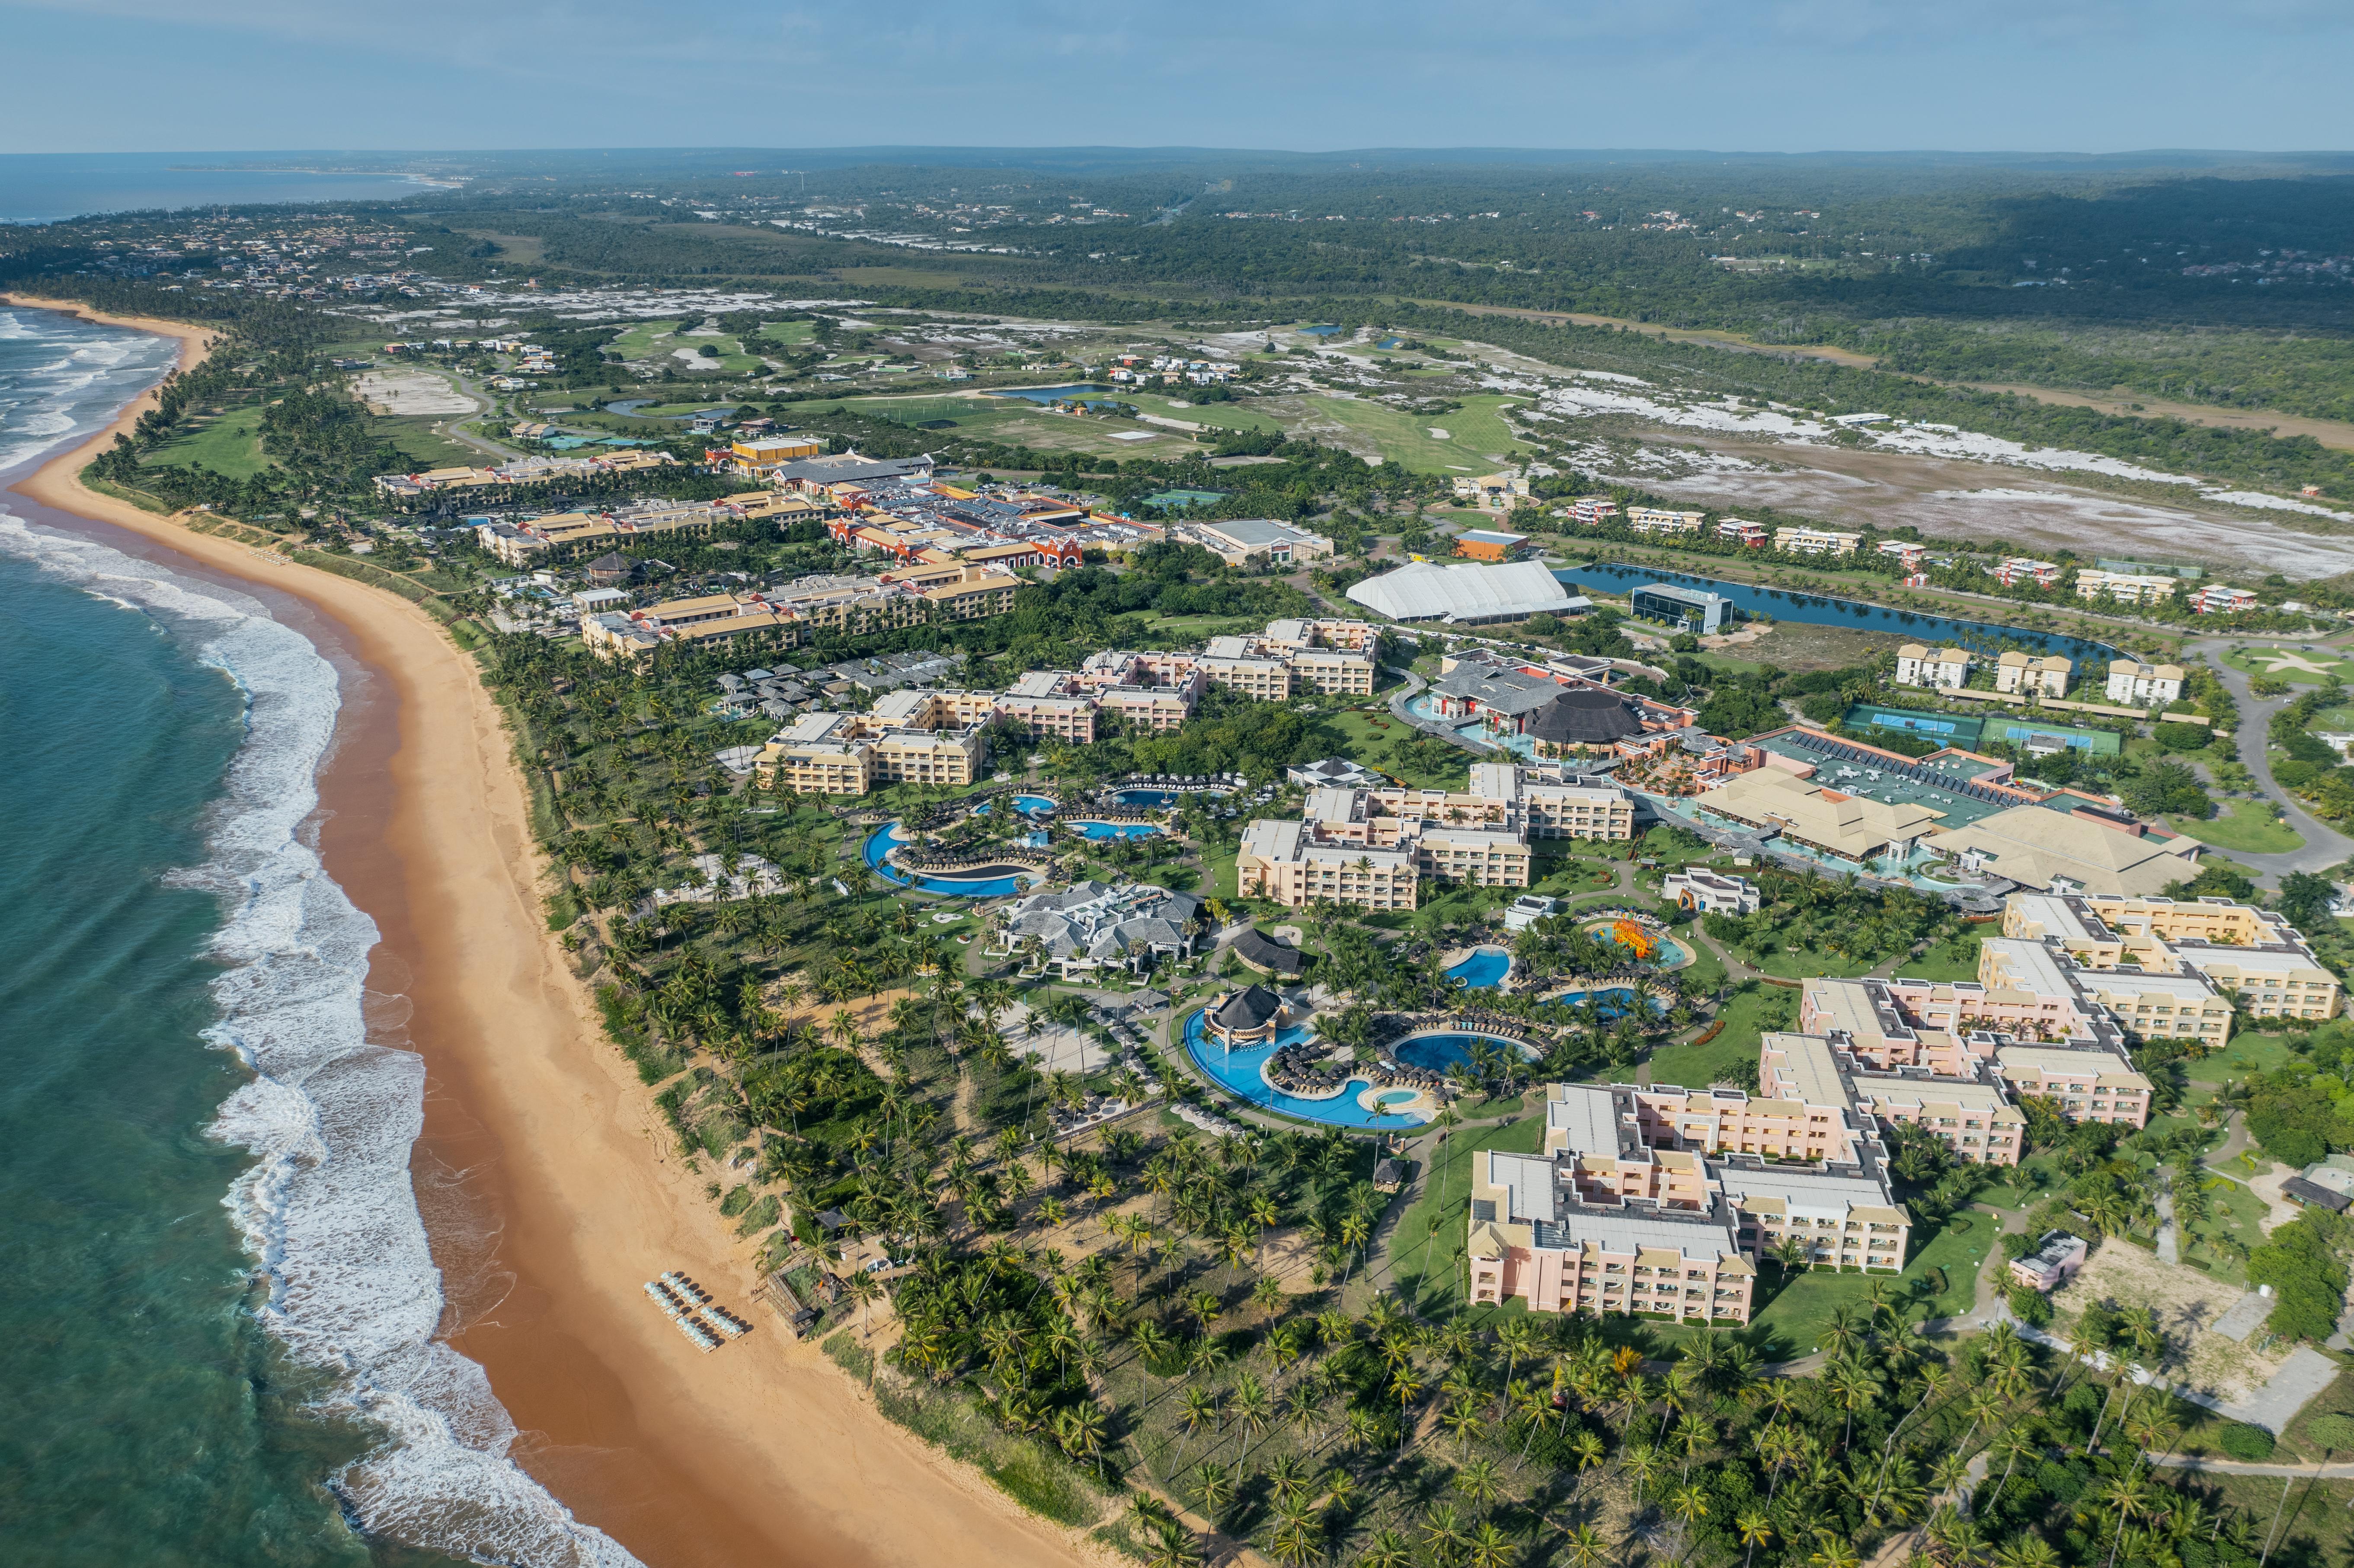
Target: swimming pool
point(1116, 830)
point(1438, 1052)
point(1033, 805)
point(1146, 796)
point(1237, 1071)
point(1486, 967)
point(880, 844)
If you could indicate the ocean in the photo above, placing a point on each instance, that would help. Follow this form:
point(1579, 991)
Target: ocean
point(44, 187)
point(217, 1305)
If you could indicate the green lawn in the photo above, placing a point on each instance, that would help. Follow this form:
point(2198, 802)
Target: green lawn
point(1472, 430)
point(791, 333)
point(2247, 826)
point(1244, 415)
point(2233, 1211)
point(229, 445)
point(1697, 1066)
point(1420, 1257)
point(637, 343)
point(1952, 960)
point(1806, 963)
point(2248, 1055)
point(2286, 662)
point(1367, 740)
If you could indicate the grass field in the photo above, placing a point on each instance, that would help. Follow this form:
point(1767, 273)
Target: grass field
point(790, 334)
point(2290, 662)
point(2247, 826)
point(1473, 431)
point(1954, 960)
point(1365, 739)
point(637, 343)
point(1419, 1257)
point(1242, 416)
point(2248, 1055)
point(230, 445)
point(415, 435)
point(1697, 1066)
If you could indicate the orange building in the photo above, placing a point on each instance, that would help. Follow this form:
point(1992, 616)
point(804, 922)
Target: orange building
point(1490, 544)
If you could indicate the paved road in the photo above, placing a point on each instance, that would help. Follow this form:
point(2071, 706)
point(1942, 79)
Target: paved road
point(456, 428)
point(2324, 847)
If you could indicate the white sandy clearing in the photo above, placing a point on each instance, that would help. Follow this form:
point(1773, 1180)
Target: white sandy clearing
point(2187, 1301)
point(411, 392)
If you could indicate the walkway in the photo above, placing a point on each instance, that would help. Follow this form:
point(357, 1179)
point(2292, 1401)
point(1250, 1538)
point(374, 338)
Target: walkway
point(1413, 687)
point(2324, 847)
point(2238, 1467)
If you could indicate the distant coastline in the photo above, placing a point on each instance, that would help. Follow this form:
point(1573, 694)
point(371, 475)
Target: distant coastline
point(567, 1195)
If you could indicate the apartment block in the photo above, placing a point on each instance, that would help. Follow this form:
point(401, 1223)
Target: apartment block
point(2027, 674)
point(2124, 588)
point(2246, 953)
point(1753, 535)
point(1592, 510)
point(1050, 704)
point(1285, 862)
point(2089, 1085)
point(1658, 520)
point(2143, 685)
point(1946, 668)
point(1234, 662)
point(912, 736)
point(2013, 570)
point(1801, 540)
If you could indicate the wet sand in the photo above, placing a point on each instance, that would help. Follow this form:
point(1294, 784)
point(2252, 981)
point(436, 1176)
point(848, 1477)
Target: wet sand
point(545, 1176)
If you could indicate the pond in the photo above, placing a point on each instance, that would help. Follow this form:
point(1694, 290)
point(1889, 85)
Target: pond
point(978, 884)
point(1486, 968)
point(1820, 610)
point(1049, 394)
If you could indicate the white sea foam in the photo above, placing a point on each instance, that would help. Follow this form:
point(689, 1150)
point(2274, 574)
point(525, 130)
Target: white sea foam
point(61, 378)
point(327, 1209)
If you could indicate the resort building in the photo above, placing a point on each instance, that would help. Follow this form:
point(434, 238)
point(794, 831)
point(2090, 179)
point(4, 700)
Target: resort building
point(1495, 491)
point(1244, 541)
point(2012, 570)
point(912, 736)
point(1946, 668)
point(2087, 1086)
point(1707, 892)
point(1969, 1115)
point(1231, 661)
point(2054, 1262)
point(1641, 1203)
point(1779, 801)
point(2124, 588)
point(1657, 520)
point(1050, 704)
point(1095, 925)
point(1687, 610)
point(2217, 600)
point(2090, 849)
point(2129, 943)
point(1489, 545)
point(1753, 535)
point(1801, 540)
point(1285, 862)
point(2144, 686)
point(2026, 674)
point(1905, 551)
point(1592, 510)
point(1464, 593)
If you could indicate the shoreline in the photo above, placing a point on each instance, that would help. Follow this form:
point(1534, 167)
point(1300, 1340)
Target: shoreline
point(545, 1175)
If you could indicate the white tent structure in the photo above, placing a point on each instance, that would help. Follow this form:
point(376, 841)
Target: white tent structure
point(1460, 593)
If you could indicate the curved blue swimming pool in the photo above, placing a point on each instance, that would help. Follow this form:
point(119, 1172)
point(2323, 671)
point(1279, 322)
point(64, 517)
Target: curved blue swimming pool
point(1035, 805)
point(1116, 830)
point(1438, 1052)
point(880, 842)
point(1486, 967)
point(1237, 1071)
point(1145, 797)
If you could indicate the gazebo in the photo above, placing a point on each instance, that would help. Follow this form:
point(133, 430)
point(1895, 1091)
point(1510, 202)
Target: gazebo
point(1249, 1017)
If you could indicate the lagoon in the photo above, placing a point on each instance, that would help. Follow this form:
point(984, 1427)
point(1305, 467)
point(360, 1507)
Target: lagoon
point(1820, 609)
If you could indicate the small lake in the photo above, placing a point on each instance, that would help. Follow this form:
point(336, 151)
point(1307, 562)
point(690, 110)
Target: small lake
point(1050, 394)
point(1820, 610)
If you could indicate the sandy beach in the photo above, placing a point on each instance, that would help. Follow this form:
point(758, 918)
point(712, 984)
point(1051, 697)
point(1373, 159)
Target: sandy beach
point(546, 1175)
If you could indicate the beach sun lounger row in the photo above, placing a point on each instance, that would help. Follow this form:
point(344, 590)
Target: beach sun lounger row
point(689, 1304)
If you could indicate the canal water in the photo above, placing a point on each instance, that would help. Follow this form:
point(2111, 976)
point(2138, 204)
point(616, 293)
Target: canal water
point(1818, 610)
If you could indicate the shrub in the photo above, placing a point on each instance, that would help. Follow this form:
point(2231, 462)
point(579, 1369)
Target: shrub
point(2182, 737)
point(2243, 1441)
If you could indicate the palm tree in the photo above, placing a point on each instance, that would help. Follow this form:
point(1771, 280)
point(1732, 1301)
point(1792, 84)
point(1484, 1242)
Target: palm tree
point(1584, 1547)
point(1388, 1548)
point(1442, 1532)
point(1478, 1481)
point(1754, 1527)
point(1832, 1550)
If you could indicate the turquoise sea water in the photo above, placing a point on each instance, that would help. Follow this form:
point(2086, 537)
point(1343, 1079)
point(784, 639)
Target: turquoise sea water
point(217, 1303)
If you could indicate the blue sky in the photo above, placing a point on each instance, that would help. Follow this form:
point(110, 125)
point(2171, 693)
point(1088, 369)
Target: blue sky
point(1759, 75)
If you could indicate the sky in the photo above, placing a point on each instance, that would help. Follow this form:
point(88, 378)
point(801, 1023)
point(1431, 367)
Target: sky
point(1309, 75)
